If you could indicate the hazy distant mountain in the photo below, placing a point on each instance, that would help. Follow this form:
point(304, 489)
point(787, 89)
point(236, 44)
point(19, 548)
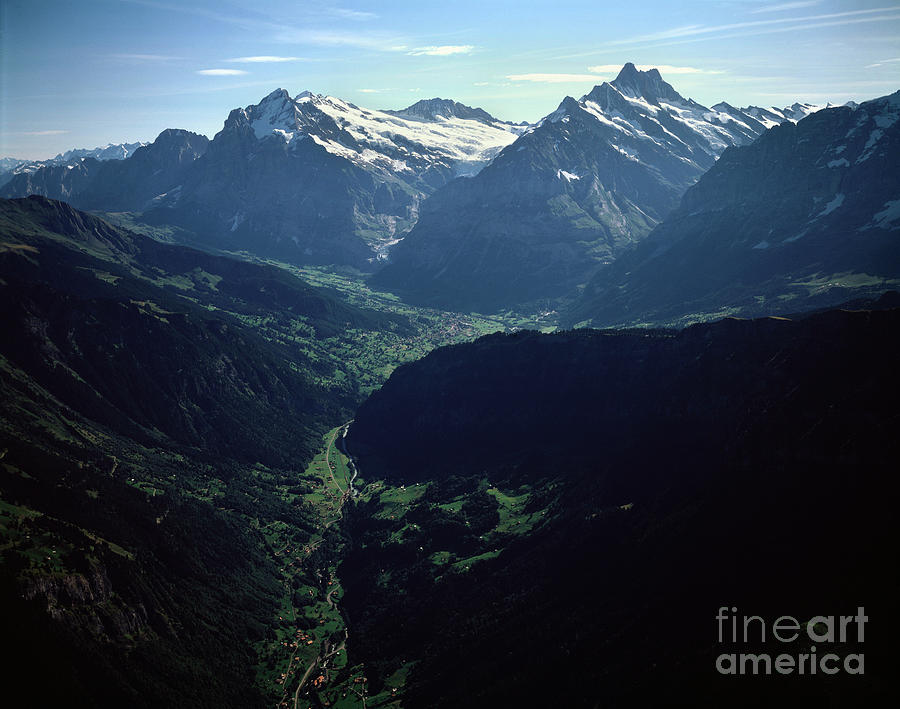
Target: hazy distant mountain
point(317, 179)
point(808, 215)
point(591, 179)
point(9, 167)
point(120, 151)
point(114, 185)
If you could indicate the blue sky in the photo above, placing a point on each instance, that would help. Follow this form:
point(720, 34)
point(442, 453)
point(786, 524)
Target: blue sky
point(86, 73)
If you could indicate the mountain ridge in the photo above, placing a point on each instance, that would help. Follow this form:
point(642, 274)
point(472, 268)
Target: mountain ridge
point(805, 216)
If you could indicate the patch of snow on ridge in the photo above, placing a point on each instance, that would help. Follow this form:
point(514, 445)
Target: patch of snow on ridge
point(832, 205)
point(562, 174)
point(869, 147)
point(889, 215)
point(628, 154)
point(597, 112)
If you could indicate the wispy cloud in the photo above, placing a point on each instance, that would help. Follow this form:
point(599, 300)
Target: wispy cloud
point(663, 69)
point(371, 91)
point(264, 59)
point(442, 51)
point(781, 7)
point(796, 23)
point(42, 132)
point(554, 78)
point(250, 22)
point(352, 14)
point(145, 57)
point(293, 31)
point(882, 63)
point(375, 41)
point(221, 72)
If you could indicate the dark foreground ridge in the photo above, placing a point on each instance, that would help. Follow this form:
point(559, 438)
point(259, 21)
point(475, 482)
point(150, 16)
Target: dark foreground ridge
point(746, 464)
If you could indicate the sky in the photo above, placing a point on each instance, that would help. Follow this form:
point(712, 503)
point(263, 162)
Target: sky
point(90, 72)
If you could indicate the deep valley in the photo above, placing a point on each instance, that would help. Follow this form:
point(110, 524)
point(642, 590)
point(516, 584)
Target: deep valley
point(346, 407)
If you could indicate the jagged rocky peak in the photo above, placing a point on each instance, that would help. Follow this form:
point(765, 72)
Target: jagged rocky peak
point(275, 112)
point(644, 84)
point(569, 104)
point(277, 96)
point(275, 104)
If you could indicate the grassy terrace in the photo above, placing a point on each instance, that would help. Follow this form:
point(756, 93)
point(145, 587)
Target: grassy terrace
point(515, 517)
point(40, 548)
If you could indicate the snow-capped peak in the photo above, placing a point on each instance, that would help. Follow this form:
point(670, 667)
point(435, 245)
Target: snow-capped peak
point(433, 132)
point(276, 114)
point(641, 117)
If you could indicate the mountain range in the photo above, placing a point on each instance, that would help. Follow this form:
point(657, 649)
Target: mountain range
point(314, 179)
point(305, 179)
point(590, 180)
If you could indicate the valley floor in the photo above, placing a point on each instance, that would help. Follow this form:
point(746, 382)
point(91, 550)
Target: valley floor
point(306, 663)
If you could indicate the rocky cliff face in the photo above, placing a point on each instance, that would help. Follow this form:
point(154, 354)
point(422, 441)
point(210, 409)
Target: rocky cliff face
point(86, 603)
